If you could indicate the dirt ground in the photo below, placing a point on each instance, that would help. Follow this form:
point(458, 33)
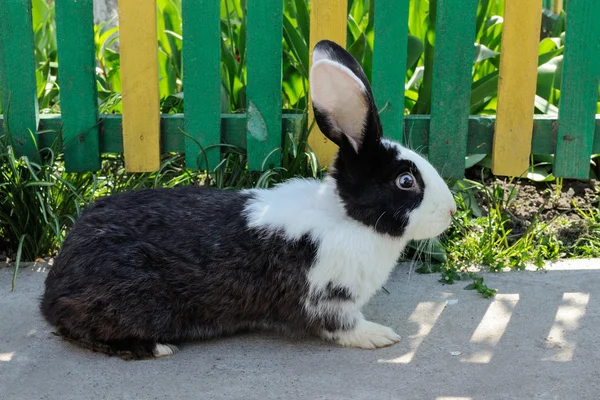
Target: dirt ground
point(556, 202)
point(549, 203)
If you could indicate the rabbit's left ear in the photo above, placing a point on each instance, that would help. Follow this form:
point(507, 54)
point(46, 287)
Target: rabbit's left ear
point(341, 97)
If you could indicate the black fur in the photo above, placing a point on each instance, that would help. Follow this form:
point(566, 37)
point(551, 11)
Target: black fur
point(332, 292)
point(373, 198)
point(170, 265)
point(336, 292)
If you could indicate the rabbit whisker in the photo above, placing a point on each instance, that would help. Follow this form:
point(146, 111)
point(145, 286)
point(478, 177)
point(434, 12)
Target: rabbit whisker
point(376, 222)
point(417, 255)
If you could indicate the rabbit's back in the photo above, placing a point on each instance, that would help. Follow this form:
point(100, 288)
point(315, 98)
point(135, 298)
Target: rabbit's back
point(174, 264)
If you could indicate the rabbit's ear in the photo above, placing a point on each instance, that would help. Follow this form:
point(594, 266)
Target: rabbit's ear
point(341, 97)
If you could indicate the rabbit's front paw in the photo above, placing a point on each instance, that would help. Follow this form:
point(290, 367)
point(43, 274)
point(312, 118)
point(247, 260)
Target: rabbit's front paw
point(368, 335)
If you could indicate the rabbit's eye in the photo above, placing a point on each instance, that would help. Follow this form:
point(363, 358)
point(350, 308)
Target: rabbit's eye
point(405, 181)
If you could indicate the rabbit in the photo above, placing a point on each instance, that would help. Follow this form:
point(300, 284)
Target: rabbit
point(143, 271)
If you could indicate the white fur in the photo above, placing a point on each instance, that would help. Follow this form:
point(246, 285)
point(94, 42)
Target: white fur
point(365, 335)
point(320, 54)
point(433, 216)
point(164, 350)
point(339, 93)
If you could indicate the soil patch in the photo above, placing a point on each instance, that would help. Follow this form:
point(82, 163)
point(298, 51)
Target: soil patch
point(546, 201)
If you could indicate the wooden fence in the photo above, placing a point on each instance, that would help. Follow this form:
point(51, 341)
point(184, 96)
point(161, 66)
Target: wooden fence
point(447, 135)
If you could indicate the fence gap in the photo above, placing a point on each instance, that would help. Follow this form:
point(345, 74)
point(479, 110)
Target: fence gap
point(263, 89)
point(579, 94)
point(17, 69)
point(139, 82)
point(328, 20)
point(77, 74)
point(389, 63)
point(451, 92)
point(202, 82)
point(516, 87)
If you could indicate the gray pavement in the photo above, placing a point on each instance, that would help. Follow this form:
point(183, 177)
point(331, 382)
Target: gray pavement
point(538, 339)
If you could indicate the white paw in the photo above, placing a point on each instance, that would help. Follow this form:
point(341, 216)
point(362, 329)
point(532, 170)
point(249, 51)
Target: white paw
point(368, 335)
point(164, 350)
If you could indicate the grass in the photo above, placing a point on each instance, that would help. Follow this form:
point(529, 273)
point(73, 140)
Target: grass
point(495, 238)
point(37, 199)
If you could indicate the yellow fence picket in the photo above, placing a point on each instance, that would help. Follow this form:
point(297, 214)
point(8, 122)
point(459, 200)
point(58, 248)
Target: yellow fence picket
point(139, 81)
point(328, 20)
point(516, 87)
point(558, 6)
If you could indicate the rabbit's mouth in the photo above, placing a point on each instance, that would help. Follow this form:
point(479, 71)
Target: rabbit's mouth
point(428, 226)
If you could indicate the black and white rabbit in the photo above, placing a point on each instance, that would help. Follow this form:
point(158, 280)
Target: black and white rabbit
point(142, 271)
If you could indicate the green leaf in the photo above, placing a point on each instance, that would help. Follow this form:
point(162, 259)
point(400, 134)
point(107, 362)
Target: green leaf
point(257, 127)
point(297, 45)
point(415, 50)
point(228, 59)
point(423, 104)
point(482, 12)
point(482, 90)
point(548, 44)
point(166, 75)
point(354, 28)
point(303, 19)
point(18, 261)
point(483, 53)
point(558, 28)
point(367, 62)
point(473, 159)
point(544, 158)
point(418, 21)
point(540, 174)
point(437, 251)
point(545, 106)
point(225, 100)
point(492, 32)
point(39, 9)
point(38, 183)
point(106, 39)
point(358, 48)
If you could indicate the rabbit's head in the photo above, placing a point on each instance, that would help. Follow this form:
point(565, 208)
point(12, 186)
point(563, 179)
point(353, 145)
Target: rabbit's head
point(381, 183)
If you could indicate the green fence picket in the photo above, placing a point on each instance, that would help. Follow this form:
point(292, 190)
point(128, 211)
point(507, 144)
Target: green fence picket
point(202, 82)
point(17, 76)
point(579, 93)
point(78, 94)
point(389, 63)
point(263, 91)
point(451, 93)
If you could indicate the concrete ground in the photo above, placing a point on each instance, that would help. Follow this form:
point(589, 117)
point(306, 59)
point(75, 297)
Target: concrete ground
point(538, 339)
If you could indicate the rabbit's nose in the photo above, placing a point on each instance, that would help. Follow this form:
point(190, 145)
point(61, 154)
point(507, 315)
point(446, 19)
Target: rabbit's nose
point(452, 211)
